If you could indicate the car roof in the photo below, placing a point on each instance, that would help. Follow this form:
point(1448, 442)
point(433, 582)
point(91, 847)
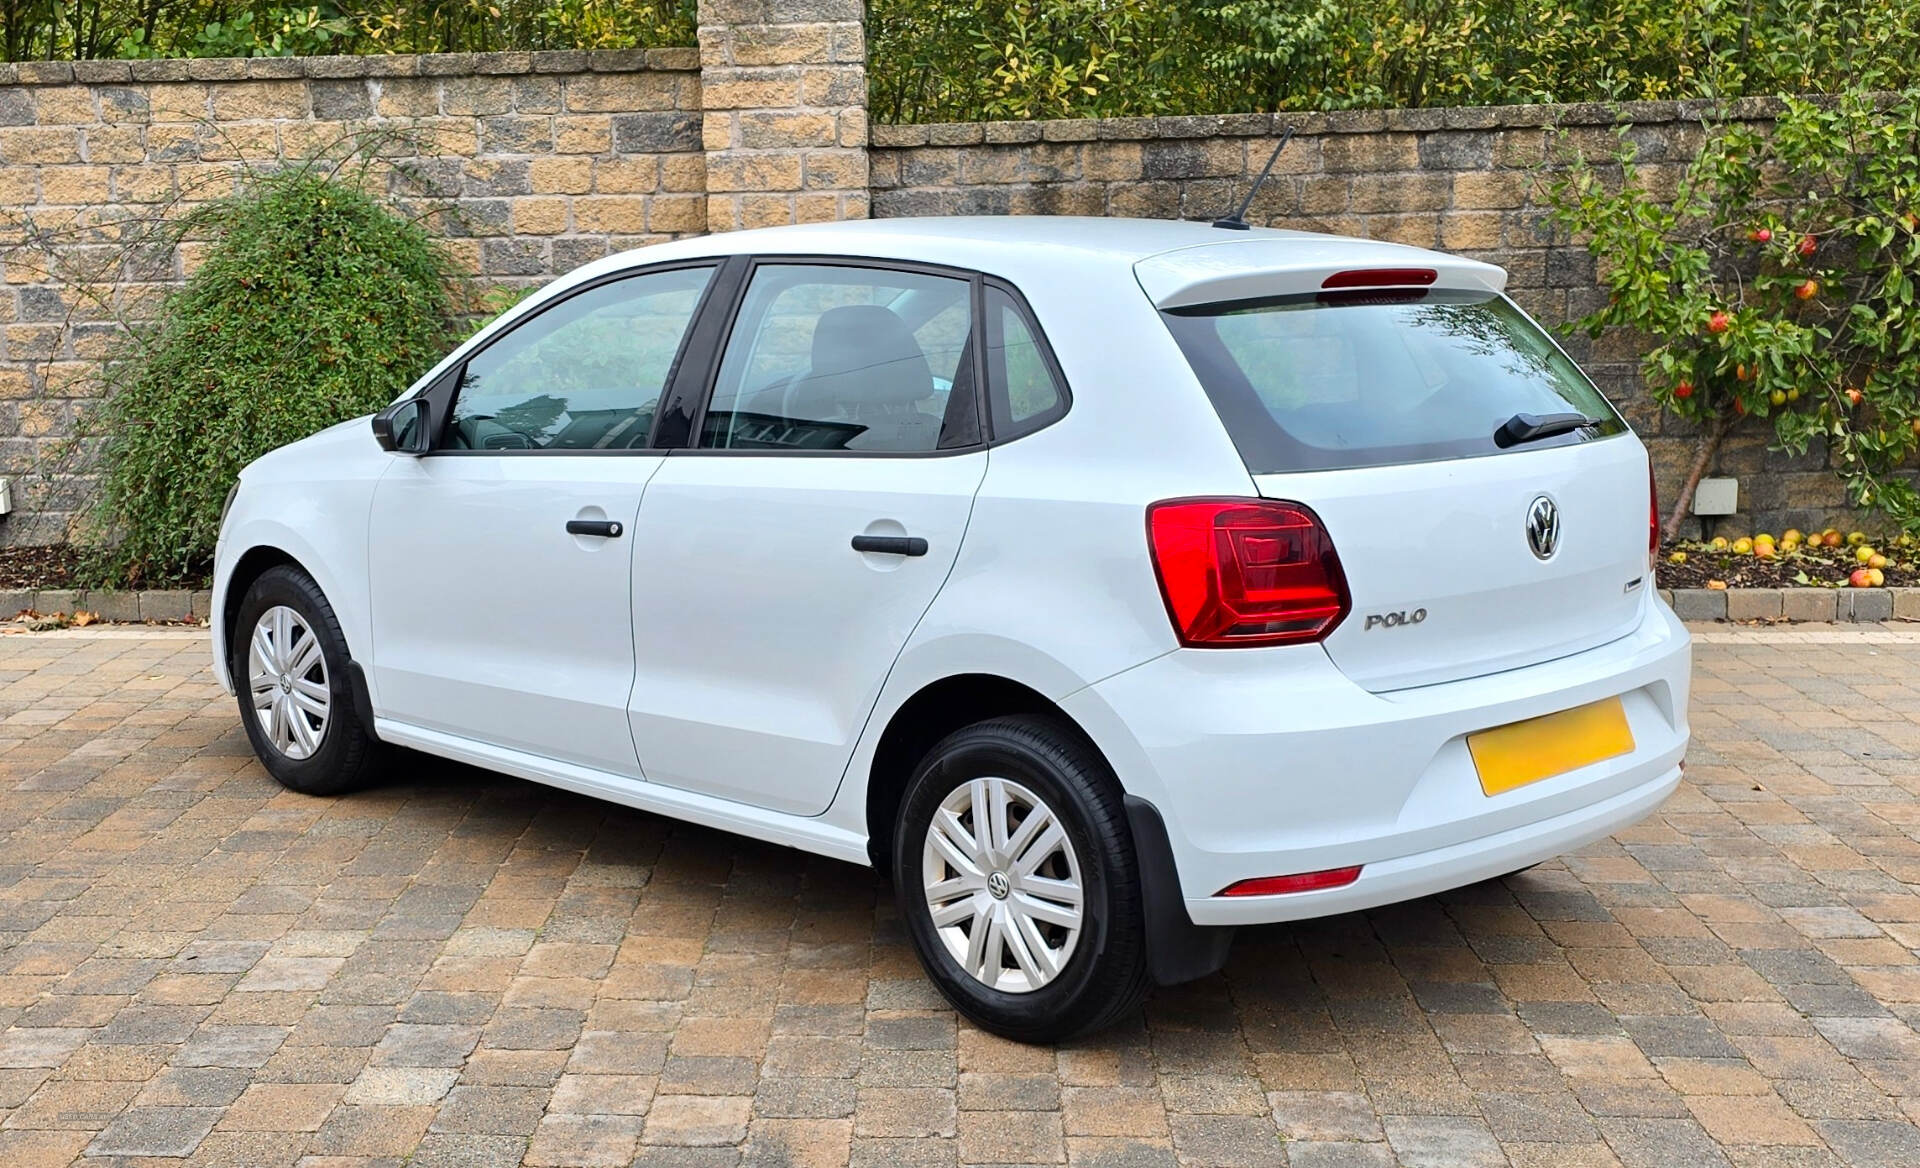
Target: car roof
point(1029, 248)
point(966, 240)
point(1174, 261)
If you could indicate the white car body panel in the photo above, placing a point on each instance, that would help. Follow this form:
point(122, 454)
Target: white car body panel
point(310, 501)
point(490, 619)
point(762, 637)
point(1268, 762)
point(1443, 538)
point(1260, 761)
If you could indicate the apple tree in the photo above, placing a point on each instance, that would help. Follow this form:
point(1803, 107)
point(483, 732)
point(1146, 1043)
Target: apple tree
point(1777, 284)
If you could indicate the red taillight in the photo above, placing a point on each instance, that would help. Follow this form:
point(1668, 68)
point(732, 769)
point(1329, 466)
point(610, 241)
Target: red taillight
point(1653, 515)
point(1245, 571)
point(1301, 882)
point(1382, 278)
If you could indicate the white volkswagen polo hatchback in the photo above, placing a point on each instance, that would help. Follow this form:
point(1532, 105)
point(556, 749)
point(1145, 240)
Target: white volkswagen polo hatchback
point(1106, 583)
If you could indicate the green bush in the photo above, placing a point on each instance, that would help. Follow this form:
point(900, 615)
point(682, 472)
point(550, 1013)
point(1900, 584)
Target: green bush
point(964, 60)
point(59, 30)
point(313, 303)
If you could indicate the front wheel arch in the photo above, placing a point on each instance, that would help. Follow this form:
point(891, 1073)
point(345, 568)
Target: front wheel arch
point(252, 564)
point(345, 754)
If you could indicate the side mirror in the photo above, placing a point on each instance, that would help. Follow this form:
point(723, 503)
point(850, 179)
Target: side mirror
point(402, 427)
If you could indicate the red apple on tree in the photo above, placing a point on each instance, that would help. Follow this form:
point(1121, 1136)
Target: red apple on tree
point(1760, 235)
point(1684, 390)
point(1807, 245)
point(1807, 290)
point(1719, 322)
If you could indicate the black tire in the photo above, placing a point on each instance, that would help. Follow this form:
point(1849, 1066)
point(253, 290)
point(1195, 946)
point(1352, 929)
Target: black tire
point(1105, 976)
point(347, 755)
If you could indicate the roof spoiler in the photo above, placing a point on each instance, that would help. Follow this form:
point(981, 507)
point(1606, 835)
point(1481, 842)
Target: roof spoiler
point(1262, 267)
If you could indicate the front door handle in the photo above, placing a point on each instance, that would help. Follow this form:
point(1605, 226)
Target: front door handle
point(605, 528)
point(891, 545)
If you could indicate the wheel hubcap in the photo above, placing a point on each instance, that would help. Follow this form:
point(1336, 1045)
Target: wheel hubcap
point(287, 680)
point(1003, 885)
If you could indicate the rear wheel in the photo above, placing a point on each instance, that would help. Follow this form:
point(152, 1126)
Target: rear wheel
point(1015, 870)
point(288, 661)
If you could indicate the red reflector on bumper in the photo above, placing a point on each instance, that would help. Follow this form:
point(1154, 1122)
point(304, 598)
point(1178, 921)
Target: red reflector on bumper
point(1300, 882)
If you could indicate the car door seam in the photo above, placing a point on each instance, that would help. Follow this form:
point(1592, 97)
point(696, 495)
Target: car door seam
point(370, 668)
point(866, 723)
point(633, 615)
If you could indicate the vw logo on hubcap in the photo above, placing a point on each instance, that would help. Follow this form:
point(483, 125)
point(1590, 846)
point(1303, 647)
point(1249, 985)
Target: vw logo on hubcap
point(1543, 527)
point(998, 885)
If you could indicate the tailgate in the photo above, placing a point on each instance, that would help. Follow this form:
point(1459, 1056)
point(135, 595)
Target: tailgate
point(1444, 581)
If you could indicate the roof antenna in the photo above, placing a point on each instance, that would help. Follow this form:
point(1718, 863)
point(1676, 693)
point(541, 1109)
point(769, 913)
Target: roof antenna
point(1238, 220)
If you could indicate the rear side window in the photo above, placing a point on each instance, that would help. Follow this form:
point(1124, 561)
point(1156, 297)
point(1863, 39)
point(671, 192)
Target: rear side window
point(1303, 383)
point(1023, 391)
point(864, 360)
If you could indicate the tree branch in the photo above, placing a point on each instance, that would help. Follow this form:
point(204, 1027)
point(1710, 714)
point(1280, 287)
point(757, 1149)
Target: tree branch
point(1702, 459)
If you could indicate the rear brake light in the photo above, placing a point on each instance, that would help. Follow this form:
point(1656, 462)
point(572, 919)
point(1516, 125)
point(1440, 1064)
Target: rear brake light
point(1246, 572)
point(1301, 882)
point(1382, 278)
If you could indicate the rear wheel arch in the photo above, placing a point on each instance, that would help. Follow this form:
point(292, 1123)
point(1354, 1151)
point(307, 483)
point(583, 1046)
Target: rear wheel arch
point(918, 724)
point(1177, 949)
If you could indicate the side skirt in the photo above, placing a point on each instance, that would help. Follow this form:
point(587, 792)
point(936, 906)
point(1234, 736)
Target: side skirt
point(809, 835)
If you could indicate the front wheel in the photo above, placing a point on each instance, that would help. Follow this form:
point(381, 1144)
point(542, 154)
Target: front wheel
point(1015, 870)
point(289, 661)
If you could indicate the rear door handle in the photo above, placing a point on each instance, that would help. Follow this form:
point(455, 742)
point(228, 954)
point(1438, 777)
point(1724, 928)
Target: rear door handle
point(891, 545)
point(605, 528)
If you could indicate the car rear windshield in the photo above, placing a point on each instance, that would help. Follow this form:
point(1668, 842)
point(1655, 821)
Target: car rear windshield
point(1312, 383)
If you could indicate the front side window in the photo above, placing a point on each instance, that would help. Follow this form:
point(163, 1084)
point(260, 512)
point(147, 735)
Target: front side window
point(586, 374)
point(838, 358)
point(1303, 383)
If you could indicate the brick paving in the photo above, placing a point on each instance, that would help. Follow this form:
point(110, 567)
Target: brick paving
point(197, 967)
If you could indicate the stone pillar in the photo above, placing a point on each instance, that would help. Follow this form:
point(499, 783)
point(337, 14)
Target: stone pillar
point(784, 95)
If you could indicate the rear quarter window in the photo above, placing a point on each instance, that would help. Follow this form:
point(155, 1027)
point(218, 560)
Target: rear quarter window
point(1308, 383)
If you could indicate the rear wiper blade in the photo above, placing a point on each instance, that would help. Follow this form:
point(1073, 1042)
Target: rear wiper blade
point(1532, 427)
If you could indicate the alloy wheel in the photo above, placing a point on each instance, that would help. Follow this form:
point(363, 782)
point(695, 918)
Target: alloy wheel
point(287, 678)
point(1003, 885)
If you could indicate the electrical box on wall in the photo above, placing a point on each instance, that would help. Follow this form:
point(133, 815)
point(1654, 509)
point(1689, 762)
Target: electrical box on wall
point(6, 496)
point(1716, 497)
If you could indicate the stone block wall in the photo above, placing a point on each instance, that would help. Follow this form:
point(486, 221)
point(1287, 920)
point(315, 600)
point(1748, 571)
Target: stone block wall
point(530, 164)
point(1462, 180)
point(784, 99)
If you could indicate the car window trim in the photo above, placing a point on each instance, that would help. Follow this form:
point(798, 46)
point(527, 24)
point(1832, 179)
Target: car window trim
point(442, 394)
point(1028, 317)
point(754, 263)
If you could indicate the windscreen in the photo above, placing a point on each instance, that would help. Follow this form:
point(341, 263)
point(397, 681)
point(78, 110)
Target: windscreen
point(1323, 383)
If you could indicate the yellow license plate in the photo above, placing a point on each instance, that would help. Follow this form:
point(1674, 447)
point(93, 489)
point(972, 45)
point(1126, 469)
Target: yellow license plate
point(1540, 748)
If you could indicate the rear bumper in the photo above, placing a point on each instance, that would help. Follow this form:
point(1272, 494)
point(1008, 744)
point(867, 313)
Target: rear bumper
point(1270, 762)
